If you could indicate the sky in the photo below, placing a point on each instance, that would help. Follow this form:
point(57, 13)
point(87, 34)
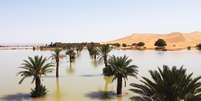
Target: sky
point(44, 21)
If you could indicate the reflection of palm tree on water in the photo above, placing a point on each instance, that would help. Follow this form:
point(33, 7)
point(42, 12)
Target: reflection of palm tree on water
point(57, 91)
point(119, 98)
point(71, 68)
point(38, 99)
point(108, 81)
point(107, 91)
point(94, 63)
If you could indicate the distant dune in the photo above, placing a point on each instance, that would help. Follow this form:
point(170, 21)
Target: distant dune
point(174, 40)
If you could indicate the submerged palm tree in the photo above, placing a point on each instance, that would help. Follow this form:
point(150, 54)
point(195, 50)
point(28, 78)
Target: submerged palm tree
point(79, 48)
point(103, 52)
point(35, 67)
point(71, 55)
point(122, 68)
point(93, 51)
point(56, 56)
point(168, 85)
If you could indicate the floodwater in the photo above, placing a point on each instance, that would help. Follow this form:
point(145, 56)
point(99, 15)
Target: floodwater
point(82, 80)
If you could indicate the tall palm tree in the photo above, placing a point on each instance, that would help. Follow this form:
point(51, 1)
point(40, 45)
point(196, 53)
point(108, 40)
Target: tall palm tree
point(35, 67)
point(168, 85)
point(122, 68)
point(71, 55)
point(56, 55)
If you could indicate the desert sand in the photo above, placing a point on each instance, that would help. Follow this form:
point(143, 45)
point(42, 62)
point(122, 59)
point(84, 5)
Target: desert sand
point(174, 40)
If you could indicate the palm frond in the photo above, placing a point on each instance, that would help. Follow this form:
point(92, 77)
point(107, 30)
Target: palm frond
point(34, 66)
point(168, 84)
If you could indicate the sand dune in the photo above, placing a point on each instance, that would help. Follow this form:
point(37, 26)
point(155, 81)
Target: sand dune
point(175, 40)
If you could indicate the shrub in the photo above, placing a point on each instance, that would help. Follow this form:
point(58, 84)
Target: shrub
point(107, 71)
point(160, 44)
point(198, 46)
point(124, 45)
point(140, 44)
point(42, 91)
point(116, 44)
point(134, 44)
point(189, 47)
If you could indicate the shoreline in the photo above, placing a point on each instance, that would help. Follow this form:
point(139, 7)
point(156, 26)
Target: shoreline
point(131, 48)
point(117, 48)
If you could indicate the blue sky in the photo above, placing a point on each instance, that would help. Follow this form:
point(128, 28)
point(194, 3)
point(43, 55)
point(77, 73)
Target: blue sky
point(39, 21)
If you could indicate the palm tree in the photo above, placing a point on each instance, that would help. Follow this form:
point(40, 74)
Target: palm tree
point(93, 51)
point(71, 55)
point(56, 56)
point(35, 67)
point(103, 52)
point(121, 70)
point(168, 85)
point(79, 48)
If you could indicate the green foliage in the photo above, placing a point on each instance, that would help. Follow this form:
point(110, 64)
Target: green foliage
point(140, 44)
point(116, 44)
point(134, 44)
point(56, 56)
point(124, 45)
point(160, 43)
point(191, 97)
point(79, 48)
point(71, 54)
point(42, 91)
point(103, 53)
point(34, 48)
point(35, 67)
point(198, 46)
point(93, 51)
point(66, 45)
point(107, 71)
point(168, 85)
point(189, 47)
point(57, 51)
point(121, 68)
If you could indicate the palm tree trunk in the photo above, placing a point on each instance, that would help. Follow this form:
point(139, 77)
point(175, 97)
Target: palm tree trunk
point(119, 85)
point(57, 68)
point(95, 57)
point(77, 51)
point(105, 61)
point(37, 83)
point(70, 58)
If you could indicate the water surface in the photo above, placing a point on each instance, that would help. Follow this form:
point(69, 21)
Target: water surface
point(82, 80)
